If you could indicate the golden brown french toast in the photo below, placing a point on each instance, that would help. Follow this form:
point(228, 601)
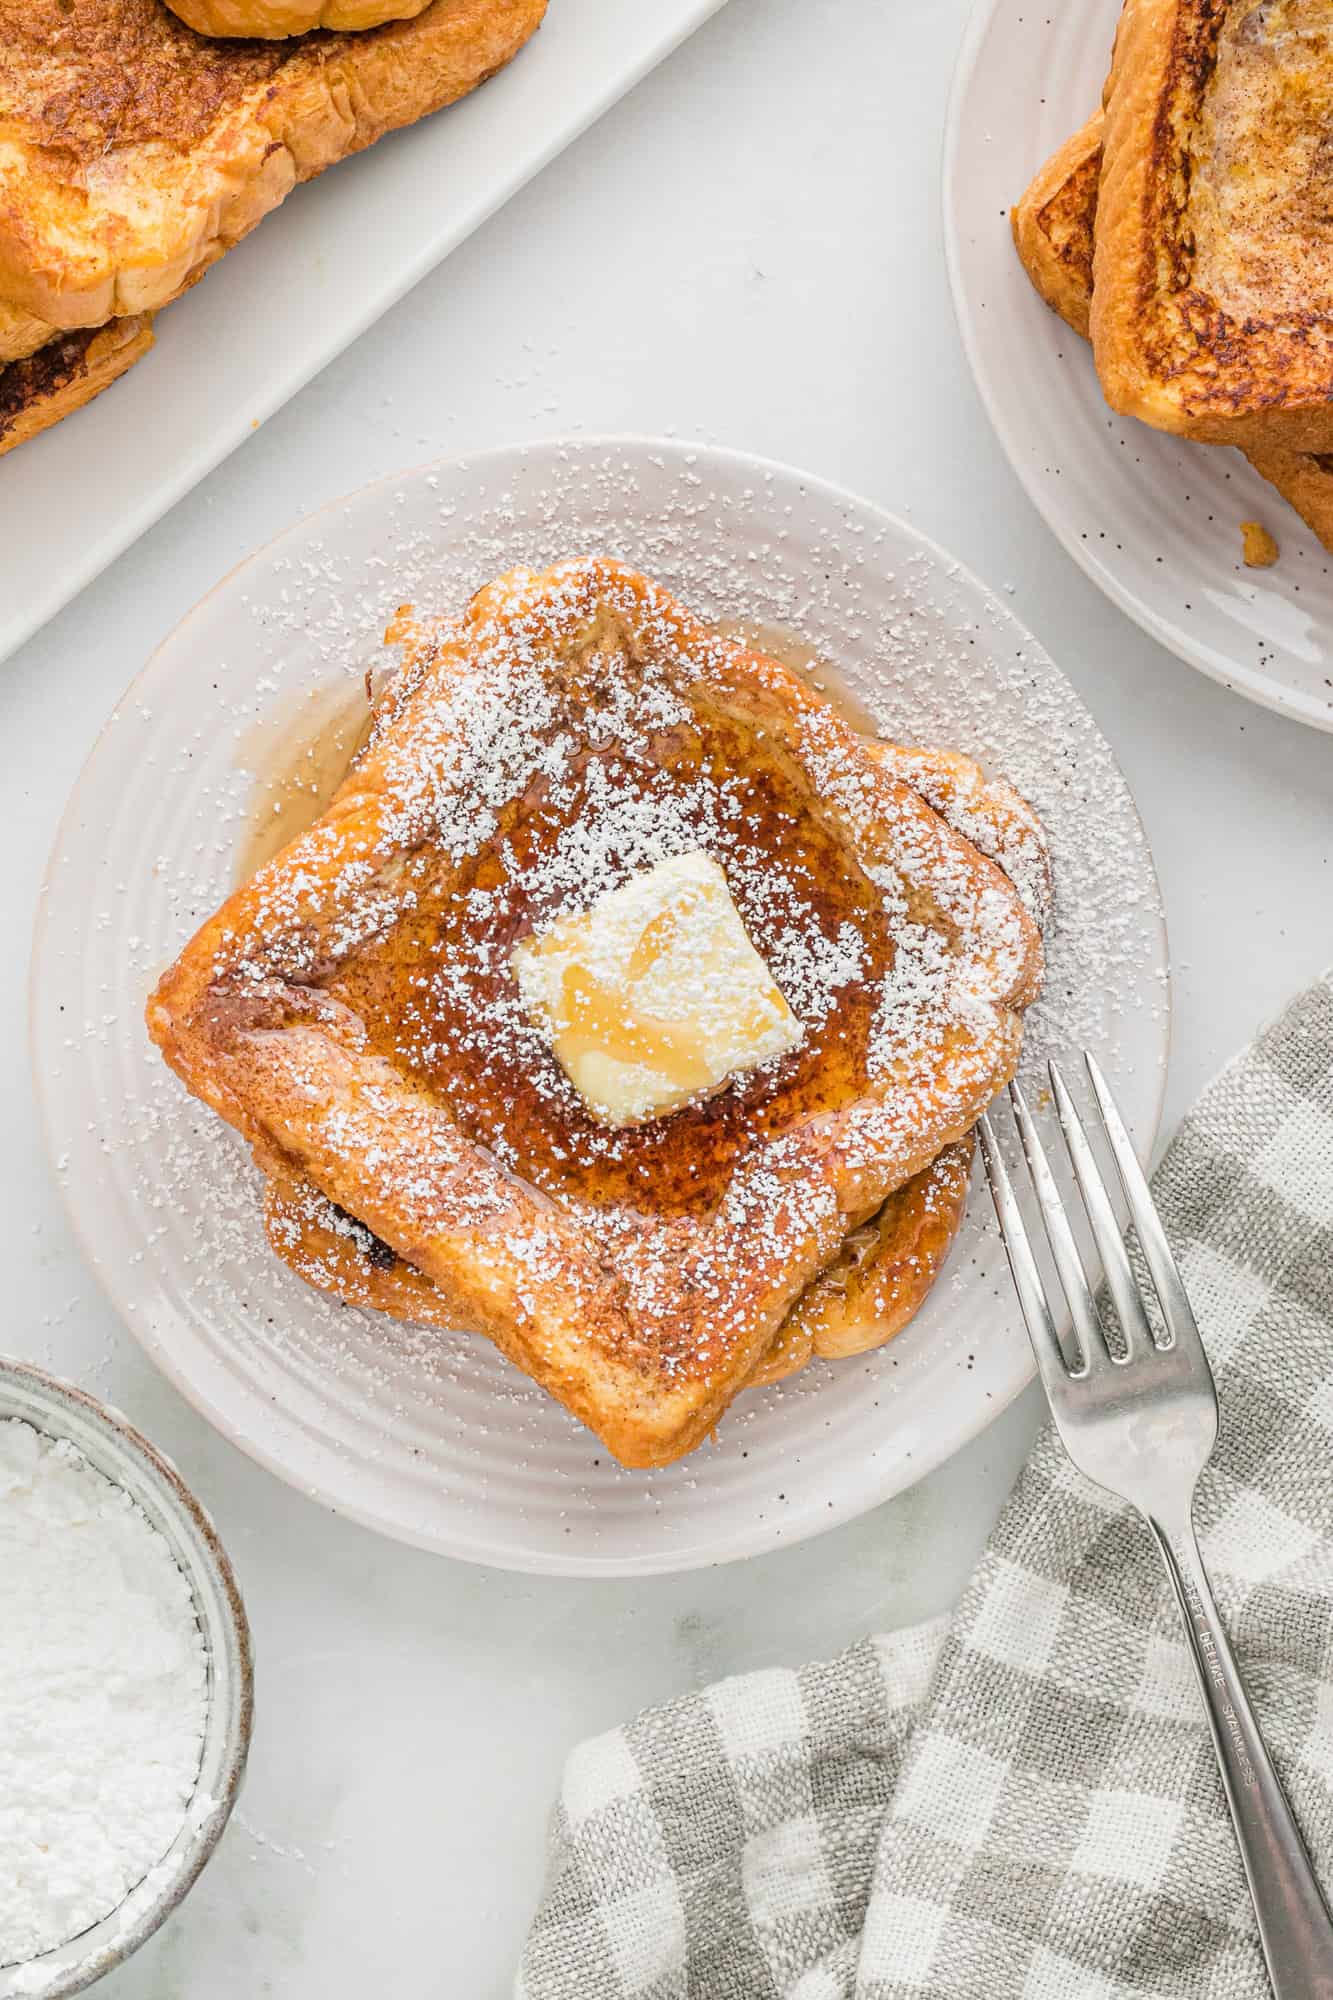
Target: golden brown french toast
point(1212, 306)
point(273, 20)
point(134, 151)
point(68, 372)
point(1054, 229)
point(1054, 225)
point(22, 333)
point(883, 1272)
point(1305, 481)
point(353, 1012)
point(879, 1279)
point(881, 1276)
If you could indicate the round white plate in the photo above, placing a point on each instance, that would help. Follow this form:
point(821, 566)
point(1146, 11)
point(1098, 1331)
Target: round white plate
point(1154, 520)
point(435, 1439)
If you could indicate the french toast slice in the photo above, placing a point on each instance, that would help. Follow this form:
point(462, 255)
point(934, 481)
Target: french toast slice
point(352, 1012)
point(884, 1270)
point(1054, 229)
point(133, 151)
point(880, 1277)
point(1212, 306)
point(67, 373)
point(274, 20)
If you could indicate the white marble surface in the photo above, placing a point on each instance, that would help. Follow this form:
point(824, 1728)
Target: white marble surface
point(747, 250)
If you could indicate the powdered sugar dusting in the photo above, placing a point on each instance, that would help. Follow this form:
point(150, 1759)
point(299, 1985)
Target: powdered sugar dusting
point(103, 1694)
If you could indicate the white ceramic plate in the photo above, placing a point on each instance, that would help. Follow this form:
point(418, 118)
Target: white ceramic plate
point(1154, 520)
point(437, 1440)
point(318, 272)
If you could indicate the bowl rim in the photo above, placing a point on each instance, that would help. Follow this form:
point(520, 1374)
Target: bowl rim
point(161, 1476)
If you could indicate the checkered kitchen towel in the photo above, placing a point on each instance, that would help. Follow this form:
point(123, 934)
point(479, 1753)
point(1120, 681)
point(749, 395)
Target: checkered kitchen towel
point(1021, 1801)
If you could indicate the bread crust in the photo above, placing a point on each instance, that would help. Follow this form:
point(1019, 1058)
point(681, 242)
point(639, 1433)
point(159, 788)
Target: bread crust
point(1251, 370)
point(1305, 481)
point(877, 1282)
point(882, 1275)
point(65, 374)
point(133, 153)
point(275, 20)
point(22, 333)
point(1054, 229)
point(1053, 225)
point(644, 1324)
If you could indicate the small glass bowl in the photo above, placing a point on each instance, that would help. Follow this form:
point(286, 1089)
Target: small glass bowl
point(116, 1450)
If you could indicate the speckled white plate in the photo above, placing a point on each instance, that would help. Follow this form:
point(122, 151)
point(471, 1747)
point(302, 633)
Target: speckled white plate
point(1154, 520)
point(435, 1439)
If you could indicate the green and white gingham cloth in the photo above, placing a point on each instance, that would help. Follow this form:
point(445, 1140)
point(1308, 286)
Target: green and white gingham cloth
point(1021, 1800)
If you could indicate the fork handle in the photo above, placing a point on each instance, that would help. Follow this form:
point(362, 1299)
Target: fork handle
point(1294, 1924)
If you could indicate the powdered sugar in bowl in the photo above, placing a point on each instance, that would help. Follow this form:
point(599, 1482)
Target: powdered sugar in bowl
point(160, 1712)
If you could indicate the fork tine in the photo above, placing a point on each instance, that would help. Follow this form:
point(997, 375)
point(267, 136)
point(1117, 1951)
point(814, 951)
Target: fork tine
point(1027, 1277)
point(1068, 1262)
point(1176, 1308)
point(1105, 1229)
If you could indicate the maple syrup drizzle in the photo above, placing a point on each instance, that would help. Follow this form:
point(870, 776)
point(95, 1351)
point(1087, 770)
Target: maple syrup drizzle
point(803, 660)
point(437, 997)
point(300, 757)
point(299, 754)
point(606, 1023)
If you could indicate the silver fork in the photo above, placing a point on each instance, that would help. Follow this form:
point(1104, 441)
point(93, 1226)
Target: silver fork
point(1140, 1418)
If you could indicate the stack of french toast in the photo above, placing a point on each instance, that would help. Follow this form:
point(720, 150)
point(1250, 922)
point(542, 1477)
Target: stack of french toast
point(138, 144)
point(1187, 231)
point(626, 1004)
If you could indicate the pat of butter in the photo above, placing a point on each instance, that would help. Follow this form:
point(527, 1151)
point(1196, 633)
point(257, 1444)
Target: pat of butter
point(655, 995)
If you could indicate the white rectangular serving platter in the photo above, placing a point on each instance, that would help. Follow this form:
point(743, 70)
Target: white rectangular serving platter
point(313, 276)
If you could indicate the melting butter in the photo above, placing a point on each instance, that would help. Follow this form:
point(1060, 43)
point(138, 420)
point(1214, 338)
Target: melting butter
point(655, 995)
